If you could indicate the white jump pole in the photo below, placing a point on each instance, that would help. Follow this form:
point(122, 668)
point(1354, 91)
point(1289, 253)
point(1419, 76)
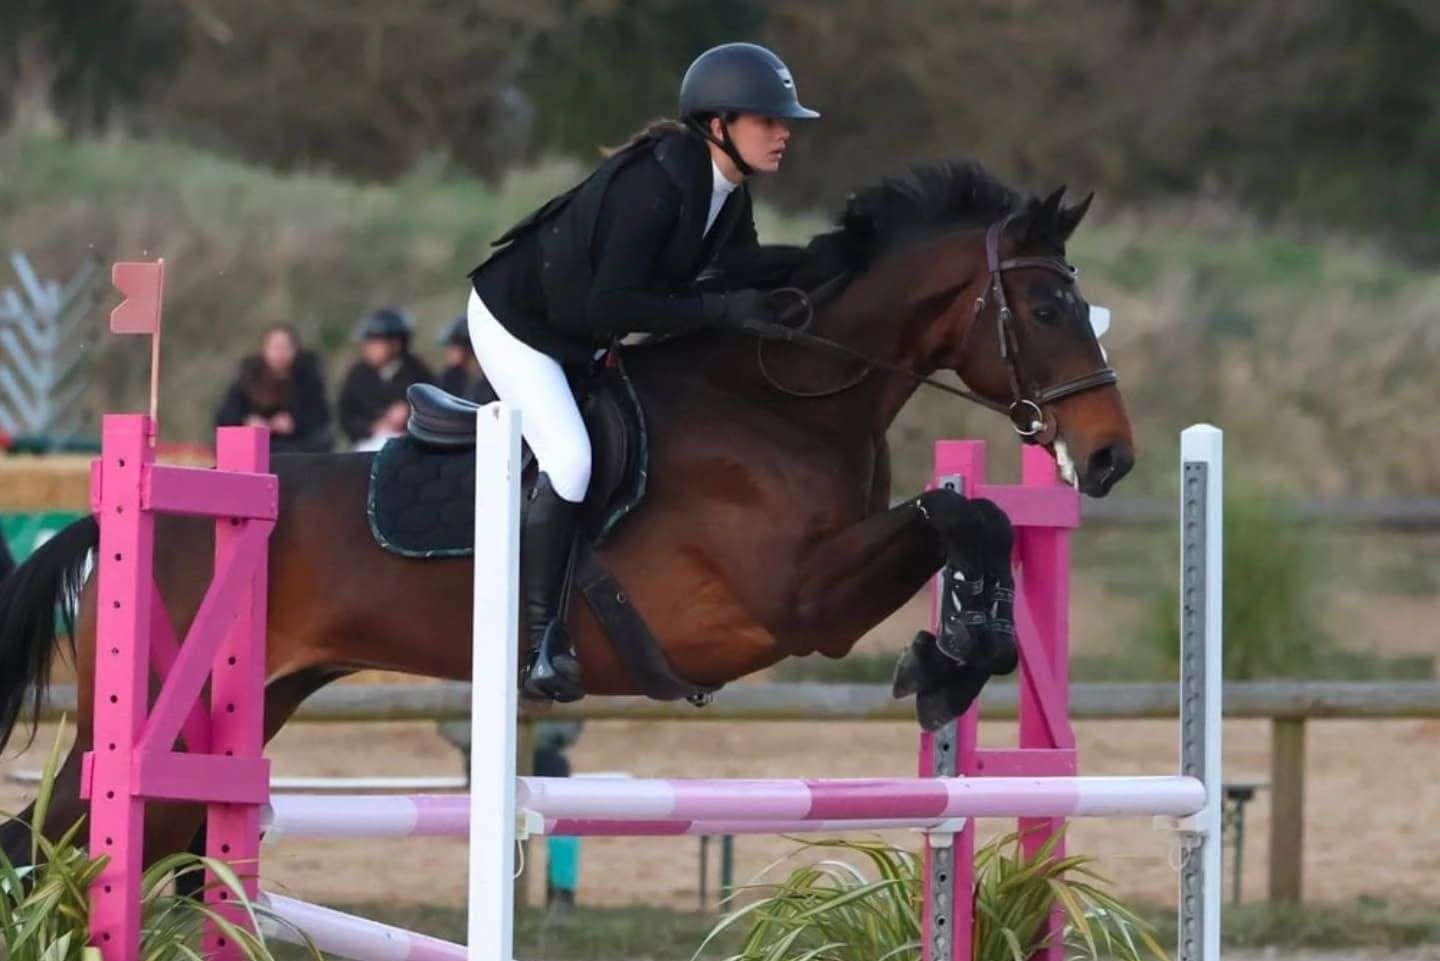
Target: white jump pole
point(347, 936)
point(493, 699)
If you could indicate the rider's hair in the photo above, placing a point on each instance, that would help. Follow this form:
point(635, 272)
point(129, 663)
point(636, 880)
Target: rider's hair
point(653, 130)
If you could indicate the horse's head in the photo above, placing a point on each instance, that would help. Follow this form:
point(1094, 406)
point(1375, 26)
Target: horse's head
point(1020, 336)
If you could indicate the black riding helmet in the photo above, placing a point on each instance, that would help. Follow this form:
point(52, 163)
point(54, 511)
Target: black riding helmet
point(390, 323)
point(738, 78)
point(458, 333)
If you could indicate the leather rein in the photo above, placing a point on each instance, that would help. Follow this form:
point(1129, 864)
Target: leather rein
point(1028, 407)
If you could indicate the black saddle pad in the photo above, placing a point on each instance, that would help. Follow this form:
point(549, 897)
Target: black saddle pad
point(422, 499)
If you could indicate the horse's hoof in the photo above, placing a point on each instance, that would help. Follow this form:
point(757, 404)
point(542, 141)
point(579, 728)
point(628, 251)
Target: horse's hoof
point(909, 669)
point(964, 689)
point(932, 709)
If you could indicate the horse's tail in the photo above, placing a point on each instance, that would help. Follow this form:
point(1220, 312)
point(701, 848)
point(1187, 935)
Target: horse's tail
point(51, 577)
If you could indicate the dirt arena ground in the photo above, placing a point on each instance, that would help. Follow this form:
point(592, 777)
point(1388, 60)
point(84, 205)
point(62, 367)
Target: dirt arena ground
point(1369, 818)
point(1369, 811)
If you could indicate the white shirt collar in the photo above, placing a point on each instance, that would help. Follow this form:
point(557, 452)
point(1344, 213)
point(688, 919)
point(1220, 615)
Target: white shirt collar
point(719, 193)
point(723, 185)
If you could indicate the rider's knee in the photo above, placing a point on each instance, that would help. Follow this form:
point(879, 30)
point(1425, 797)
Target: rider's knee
point(569, 472)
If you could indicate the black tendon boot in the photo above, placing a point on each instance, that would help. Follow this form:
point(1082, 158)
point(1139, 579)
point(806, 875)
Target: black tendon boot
point(1001, 656)
point(547, 536)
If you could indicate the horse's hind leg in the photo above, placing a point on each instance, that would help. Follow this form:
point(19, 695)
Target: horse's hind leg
point(282, 697)
point(65, 809)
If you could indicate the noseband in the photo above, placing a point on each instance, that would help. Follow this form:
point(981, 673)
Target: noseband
point(1028, 409)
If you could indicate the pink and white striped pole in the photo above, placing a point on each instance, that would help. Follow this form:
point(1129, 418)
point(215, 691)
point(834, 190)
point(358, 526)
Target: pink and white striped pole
point(616, 806)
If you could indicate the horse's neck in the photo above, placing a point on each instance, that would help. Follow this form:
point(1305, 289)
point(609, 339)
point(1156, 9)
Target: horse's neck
point(881, 317)
point(878, 315)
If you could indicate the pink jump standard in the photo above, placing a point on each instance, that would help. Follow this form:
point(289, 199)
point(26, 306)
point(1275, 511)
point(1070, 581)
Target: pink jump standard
point(134, 761)
point(1043, 513)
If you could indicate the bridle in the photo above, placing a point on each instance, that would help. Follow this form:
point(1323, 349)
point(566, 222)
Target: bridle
point(1028, 409)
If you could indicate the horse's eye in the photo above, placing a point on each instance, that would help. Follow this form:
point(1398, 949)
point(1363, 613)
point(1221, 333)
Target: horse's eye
point(1045, 315)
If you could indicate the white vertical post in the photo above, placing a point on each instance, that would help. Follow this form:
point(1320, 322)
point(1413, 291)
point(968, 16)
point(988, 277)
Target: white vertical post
point(1202, 514)
point(494, 668)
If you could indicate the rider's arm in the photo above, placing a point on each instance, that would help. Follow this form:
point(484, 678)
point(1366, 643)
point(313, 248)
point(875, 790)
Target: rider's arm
point(638, 216)
point(745, 262)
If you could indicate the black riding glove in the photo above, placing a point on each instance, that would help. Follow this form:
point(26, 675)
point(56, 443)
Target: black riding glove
point(752, 312)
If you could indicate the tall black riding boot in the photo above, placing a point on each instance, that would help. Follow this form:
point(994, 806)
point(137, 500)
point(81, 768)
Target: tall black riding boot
point(547, 536)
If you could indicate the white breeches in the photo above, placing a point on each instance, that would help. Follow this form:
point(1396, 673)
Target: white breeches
point(534, 382)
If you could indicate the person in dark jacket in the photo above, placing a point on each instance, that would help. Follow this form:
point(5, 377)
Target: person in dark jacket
point(281, 388)
point(7, 563)
point(617, 254)
point(372, 399)
point(462, 375)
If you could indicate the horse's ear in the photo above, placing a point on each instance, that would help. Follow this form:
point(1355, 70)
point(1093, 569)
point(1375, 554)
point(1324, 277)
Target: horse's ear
point(1042, 221)
point(1069, 217)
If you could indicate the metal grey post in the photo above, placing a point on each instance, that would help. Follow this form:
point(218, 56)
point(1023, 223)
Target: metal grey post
point(945, 760)
point(1201, 679)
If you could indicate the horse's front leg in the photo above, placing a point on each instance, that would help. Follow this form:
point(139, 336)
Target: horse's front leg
point(852, 580)
point(856, 578)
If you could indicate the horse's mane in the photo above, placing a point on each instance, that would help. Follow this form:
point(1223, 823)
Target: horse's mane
point(896, 211)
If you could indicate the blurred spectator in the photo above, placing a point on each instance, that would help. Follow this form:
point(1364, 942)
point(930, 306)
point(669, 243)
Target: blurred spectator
point(562, 854)
point(372, 399)
point(283, 389)
point(462, 375)
point(7, 563)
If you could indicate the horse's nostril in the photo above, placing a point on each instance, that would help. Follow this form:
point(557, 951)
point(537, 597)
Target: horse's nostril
point(1110, 463)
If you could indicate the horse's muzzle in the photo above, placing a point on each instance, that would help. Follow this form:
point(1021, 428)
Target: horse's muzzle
point(1105, 467)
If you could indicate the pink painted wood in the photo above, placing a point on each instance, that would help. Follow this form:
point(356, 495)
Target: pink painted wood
point(213, 778)
point(213, 493)
point(122, 661)
point(237, 684)
point(132, 760)
point(1044, 554)
point(1043, 513)
point(235, 566)
point(164, 651)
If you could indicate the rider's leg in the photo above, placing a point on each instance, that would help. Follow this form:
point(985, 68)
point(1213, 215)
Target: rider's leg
point(552, 426)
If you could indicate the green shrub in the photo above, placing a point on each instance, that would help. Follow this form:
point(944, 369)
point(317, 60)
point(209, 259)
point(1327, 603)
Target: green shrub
point(1274, 623)
point(833, 911)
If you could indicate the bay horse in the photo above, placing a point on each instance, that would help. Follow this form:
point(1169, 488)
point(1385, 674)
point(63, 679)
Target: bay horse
point(768, 530)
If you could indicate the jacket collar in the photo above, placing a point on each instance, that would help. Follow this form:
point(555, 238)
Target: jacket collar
point(687, 160)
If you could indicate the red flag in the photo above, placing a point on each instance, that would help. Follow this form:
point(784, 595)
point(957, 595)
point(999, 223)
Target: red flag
point(142, 285)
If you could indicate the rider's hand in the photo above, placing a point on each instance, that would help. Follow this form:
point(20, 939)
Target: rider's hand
point(753, 312)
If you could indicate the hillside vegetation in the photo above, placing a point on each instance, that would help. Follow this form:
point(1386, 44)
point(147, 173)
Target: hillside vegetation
point(1316, 354)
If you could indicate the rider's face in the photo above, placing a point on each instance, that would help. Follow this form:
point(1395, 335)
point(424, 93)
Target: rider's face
point(760, 140)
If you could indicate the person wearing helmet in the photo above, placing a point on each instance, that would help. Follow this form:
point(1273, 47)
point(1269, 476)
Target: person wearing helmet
point(372, 398)
point(620, 253)
point(461, 374)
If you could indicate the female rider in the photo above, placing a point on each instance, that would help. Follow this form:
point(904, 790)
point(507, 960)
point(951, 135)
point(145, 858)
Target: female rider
point(618, 254)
